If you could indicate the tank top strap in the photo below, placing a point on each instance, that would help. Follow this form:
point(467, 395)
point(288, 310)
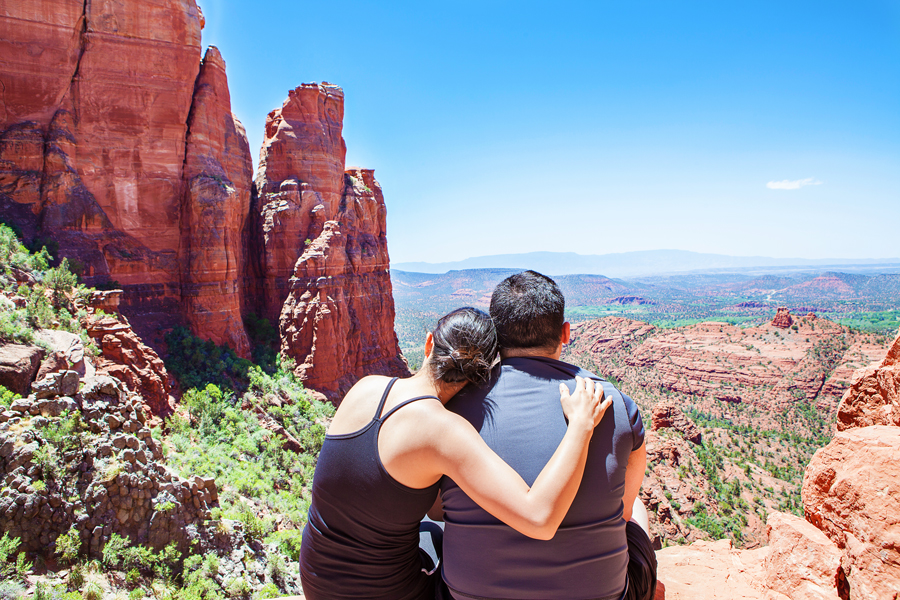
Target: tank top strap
point(404, 403)
point(384, 396)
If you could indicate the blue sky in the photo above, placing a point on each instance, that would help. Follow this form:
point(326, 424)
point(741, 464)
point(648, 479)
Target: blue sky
point(766, 128)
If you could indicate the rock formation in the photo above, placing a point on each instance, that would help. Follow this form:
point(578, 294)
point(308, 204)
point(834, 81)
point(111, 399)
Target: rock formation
point(96, 154)
point(874, 396)
point(337, 320)
point(802, 563)
point(125, 357)
point(109, 459)
point(300, 183)
point(118, 144)
point(783, 318)
point(667, 414)
point(217, 176)
point(798, 564)
point(851, 492)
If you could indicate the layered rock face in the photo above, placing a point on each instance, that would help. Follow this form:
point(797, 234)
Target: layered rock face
point(874, 396)
point(96, 104)
point(125, 357)
point(334, 302)
point(851, 492)
point(217, 176)
point(300, 182)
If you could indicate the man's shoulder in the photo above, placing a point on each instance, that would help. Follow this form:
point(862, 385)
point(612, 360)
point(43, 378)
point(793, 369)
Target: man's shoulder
point(544, 367)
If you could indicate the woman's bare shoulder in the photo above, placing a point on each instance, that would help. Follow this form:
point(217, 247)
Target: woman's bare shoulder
point(367, 386)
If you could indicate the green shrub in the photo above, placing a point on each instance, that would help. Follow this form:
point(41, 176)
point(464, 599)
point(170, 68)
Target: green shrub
point(288, 541)
point(46, 459)
point(238, 588)
point(68, 546)
point(8, 547)
point(267, 592)
point(76, 577)
point(14, 327)
point(41, 592)
point(92, 591)
point(61, 281)
point(7, 397)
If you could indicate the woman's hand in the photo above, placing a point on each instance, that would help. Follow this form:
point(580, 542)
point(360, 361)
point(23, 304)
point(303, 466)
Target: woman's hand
point(586, 406)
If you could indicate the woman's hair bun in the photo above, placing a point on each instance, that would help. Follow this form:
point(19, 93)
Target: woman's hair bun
point(465, 346)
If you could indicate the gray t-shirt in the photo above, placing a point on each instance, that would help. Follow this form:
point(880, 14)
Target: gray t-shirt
point(519, 415)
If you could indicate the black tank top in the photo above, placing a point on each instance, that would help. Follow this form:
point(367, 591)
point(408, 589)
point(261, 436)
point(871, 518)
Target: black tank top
point(361, 539)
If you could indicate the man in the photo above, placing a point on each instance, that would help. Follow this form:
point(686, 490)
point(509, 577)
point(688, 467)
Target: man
point(599, 552)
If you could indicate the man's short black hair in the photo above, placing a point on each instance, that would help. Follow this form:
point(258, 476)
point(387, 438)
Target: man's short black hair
point(528, 310)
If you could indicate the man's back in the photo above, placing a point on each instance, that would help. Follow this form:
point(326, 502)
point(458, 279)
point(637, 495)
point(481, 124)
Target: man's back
point(519, 416)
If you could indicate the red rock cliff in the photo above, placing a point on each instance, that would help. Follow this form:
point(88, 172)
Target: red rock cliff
point(111, 146)
point(323, 257)
point(217, 177)
point(300, 182)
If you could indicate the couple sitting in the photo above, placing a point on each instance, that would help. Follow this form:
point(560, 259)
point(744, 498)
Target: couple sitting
point(537, 503)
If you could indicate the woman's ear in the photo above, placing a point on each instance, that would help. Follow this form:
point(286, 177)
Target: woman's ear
point(429, 344)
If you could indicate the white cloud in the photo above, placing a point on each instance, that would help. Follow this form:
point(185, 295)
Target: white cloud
point(796, 184)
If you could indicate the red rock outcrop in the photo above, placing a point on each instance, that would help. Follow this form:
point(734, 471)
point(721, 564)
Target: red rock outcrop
point(851, 491)
point(323, 253)
point(95, 105)
point(217, 175)
point(802, 563)
point(337, 322)
point(783, 318)
point(667, 414)
point(798, 564)
point(300, 182)
point(674, 488)
point(125, 357)
point(874, 395)
point(714, 571)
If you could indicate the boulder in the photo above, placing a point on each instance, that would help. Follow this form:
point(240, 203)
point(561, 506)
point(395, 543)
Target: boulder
point(54, 363)
point(803, 564)
point(18, 366)
point(851, 491)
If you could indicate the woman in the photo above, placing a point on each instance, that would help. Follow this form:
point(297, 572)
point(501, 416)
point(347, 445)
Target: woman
point(382, 460)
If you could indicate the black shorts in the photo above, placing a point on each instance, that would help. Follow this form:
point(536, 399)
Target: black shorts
point(641, 582)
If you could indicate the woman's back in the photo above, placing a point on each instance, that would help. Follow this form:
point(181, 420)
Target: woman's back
point(362, 536)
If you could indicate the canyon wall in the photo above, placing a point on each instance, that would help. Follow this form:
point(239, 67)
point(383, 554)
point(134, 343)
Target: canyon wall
point(336, 323)
point(117, 143)
point(103, 140)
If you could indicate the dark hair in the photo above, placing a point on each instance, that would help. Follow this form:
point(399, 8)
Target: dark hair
point(528, 310)
point(465, 346)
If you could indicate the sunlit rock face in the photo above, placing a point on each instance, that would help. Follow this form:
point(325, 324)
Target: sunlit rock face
point(112, 147)
point(324, 260)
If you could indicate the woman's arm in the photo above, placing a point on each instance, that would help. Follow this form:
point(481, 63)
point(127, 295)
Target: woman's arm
point(538, 511)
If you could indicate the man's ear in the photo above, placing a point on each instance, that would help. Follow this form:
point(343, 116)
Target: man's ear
point(565, 333)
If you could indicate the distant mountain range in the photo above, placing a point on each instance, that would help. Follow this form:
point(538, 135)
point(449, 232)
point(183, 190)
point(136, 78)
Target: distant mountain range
point(648, 262)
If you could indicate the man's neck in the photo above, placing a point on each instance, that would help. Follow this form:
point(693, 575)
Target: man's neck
point(531, 353)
